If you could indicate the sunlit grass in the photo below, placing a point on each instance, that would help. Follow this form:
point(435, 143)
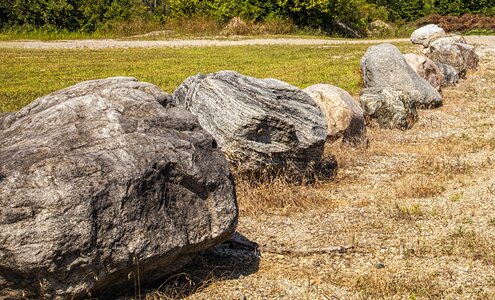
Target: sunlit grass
point(26, 74)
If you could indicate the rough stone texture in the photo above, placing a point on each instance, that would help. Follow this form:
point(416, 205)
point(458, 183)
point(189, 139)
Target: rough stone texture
point(450, 75)
point(425, 32)
point(260, 124)
point(345, 117)
point(460, 56)
point(99, 181)
point(426, 68)
point(389, 108)
point(384, 66)
point(438, 43)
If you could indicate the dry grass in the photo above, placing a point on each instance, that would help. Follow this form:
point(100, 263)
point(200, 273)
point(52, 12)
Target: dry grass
point(237, 26)
point(278, 196)
point(419, 186)
point(417, 206)
point(380, 284)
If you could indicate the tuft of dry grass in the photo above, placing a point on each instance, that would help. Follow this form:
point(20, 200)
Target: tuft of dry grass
point(179, 286)
point(419, 186)
point(388, 283)
point(277, 195)
point(466, 242)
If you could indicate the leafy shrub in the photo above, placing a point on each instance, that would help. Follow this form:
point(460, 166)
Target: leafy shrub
point(337, 17)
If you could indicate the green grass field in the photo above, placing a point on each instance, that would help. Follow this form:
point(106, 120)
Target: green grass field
point(28, 74)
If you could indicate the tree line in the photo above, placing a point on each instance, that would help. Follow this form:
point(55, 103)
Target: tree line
point(326, 15)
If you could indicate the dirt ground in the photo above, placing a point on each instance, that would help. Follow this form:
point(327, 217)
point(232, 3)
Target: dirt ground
point(233, 41)
point(410, 217)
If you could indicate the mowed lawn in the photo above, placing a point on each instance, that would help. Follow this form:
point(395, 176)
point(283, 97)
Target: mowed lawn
point(26, 74)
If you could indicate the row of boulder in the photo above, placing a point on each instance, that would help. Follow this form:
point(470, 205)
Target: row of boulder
point(396, 84)
point(111, 178)
point(114, 177)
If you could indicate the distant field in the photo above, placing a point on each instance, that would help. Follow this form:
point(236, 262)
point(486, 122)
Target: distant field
point(28, 74)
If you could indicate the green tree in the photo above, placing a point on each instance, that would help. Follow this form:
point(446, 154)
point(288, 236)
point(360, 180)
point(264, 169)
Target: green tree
point(39, 13)
point(5, 12)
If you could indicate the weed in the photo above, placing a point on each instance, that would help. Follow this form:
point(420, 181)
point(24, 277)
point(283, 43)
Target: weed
point(468, 243)
point(408, 213)
point(456, 197)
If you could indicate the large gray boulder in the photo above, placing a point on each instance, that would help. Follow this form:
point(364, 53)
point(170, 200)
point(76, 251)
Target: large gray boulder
point(426, 69)
point(460, 56)
point(450, 75)
point(389, 108)
point(383, 66)
point(424, 33)
point(260, 124)
point(345, 117)
point(101, 186)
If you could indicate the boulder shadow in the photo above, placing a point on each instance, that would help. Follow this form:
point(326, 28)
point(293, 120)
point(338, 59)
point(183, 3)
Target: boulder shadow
point(233, 259)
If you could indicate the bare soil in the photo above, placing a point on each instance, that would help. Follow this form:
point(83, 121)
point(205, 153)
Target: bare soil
point(233, 41)
point(410, 217)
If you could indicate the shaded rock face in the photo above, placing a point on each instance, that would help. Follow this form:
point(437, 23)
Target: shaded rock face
point(426, 69)
point(98, 182)
point(450, 75)
point(383, 66)
point(460, 56)
point(258, 123)
point(345, 117)
point(420, 35)
point(389, 108)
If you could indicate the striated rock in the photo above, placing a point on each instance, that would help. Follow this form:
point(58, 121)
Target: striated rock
point(450, 75)
point(99, 183)
point(384, 66)
point(460, 56)
point(424, 33)
point(389, 108)
point(426, 69)
point(345, 117)
point(260, 124)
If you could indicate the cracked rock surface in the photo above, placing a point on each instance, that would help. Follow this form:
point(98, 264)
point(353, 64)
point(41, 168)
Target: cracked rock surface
point(258, 123)
point(99, 182)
